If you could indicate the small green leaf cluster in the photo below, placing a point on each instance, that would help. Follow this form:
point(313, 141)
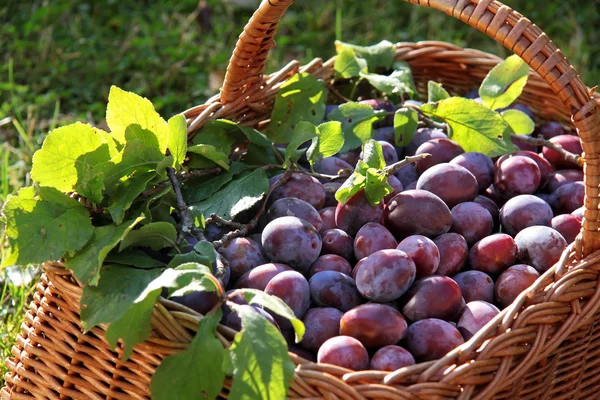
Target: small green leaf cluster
point(375, 64)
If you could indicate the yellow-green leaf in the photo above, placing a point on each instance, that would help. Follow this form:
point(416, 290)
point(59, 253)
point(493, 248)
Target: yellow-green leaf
point(504, 83)
point(177, 143)
point(126, 108)
point(43, 227)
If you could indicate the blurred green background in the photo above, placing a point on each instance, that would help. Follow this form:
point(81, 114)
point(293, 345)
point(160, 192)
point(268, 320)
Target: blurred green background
point(58, 59)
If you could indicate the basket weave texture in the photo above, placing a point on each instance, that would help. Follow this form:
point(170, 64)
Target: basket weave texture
point(543, 346)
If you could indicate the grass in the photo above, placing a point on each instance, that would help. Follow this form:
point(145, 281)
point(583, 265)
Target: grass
point(59, 59)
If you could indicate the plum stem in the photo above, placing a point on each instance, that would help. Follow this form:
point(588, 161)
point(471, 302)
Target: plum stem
point(243, 229)
point(392, 169)
point(187, 223)
point(566, 155)
point(188, 175)
point(188, 226)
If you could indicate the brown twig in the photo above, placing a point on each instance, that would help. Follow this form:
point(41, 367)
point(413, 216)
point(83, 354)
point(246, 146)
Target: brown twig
point(337, 94)
point(187, 223)
point(245, 228)
point(392, 169)
point(188, 226)
point(566, 155)
point(426, 121)
point(188, 175)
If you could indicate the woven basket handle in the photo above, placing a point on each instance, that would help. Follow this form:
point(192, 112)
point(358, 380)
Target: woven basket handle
point(506, 26)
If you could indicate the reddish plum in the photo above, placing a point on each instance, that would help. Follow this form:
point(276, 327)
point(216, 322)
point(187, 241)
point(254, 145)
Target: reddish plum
point(475, 285)
point(570, 143)
point(431, 339)
point(243, 254)
point(539, 246)
point(336, 241)
point(330, 262)
point(475, 316)
point(300, 186)
point(567, 225)
point(440, 150)
point(568, 198)
point(472, 221)
point(293, 289)
point(417, 212)
point(334, 289)
point(357, 211)
point(327, 215)
point(421, 136)
point(512, 282)
point(433, 297)
point(450, 182)
point(292, 241)
point(372, 237)
point(344, 351)
point(321, 324)
point(391, 358)
point(478, 164)
point(453, 253)
point(524, 211)
point(374, 325)
point(259, 277)
point(493, 254)
point(290, 207)
point(423, 252)
point(517, 175)
point(385, 275)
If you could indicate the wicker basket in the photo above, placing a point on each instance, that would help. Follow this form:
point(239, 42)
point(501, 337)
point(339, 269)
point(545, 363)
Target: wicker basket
point(541, 347)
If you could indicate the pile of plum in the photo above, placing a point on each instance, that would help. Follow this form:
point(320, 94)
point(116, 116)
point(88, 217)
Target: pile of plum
point(385, 286)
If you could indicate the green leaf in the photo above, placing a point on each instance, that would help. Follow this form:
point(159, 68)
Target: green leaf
point(212, 153)
point(239, 195)
point(276, 305)
point(473, 126)
point(398, 82)
point(133, 257)
point(376, 187)
point(504, 83)
point(354, 184)
point(406, 122)
point(357, 123)
point(68, 159)
point(127, 108)
point(135, 324)
point(373, 155)
point(223, 133)
point(519, 122)
point(191, 257)
point(303, 132)
point(435, 92)
point(117, 289)
point(262, 368)
point(177, 143)
point(206, 249)
point(196, 371)
point(43, 227)
point(379, 55)
point(256, 155)
point(87, 262)
point(347, 65)
point(328, 142)
point(156, 235)
point(140, 154)
point(301, 98)
point(126, 192)
point(198, 189)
